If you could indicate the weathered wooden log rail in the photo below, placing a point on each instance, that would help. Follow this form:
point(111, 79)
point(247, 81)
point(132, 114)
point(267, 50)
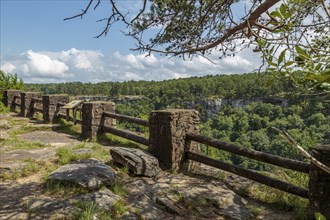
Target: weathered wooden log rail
point(126, 118)
point(124, 133)
point(174, 139)
point(253, 154)
point(250, 174)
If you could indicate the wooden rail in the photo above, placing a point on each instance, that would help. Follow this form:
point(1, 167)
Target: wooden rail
point(37, 100)
point(253, 154)
point(126, 134)
point(138, 121)
point(250, 174)
point(38, 109)
point(69, 118)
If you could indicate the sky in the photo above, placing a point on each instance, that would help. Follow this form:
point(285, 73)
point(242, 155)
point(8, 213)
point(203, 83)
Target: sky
point(40, 47)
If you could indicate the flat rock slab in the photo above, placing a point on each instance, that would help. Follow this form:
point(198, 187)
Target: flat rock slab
point(104, 199)
point(138, 161)
point(4, 124)
point(10, 167)
point(50, 137)
point(42, 207)
point(186, 196)
point(89, 173)
point(25, 154)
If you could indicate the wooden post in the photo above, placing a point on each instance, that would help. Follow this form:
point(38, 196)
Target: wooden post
point(49, 105)
point(319, 182)
point(11, 97)
point(26, 100)
point(167, 138)
point(92, 120)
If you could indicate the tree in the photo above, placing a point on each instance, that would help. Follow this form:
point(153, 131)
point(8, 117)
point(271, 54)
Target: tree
point(9, 81)
point(290, 35)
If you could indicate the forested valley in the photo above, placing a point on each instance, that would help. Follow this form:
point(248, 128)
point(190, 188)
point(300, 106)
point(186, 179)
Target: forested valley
point(305, 116)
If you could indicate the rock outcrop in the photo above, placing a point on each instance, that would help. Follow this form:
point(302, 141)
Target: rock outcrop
point(136, 160)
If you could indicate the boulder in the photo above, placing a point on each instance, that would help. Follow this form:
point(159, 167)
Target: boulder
point(137, 161)
point(89, 173)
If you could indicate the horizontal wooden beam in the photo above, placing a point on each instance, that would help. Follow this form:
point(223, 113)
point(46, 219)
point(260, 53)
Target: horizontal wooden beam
point(250, 174)
point(253, 154)
point(126, 134)
point(37, 100)
point(38, 109)
point(138, 121)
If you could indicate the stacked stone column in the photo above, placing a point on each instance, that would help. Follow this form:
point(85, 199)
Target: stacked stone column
point(168, 129)
point(92, 119)
point(26, 99)
point(319, 182)
point(50, 104)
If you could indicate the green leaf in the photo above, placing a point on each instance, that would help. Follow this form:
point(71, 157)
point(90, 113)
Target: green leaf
point(318, 66)
point(281, 57)
point(270, 63)
point(302, 52)
point(276, 14)
point(289, 63)
point(319, 216)
point(283, 9)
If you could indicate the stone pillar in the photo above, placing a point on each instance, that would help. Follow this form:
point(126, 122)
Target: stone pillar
point(319, 182)
point(167, 138)
point(92, 118)
point(11, 97)
point(26, 98)
point(49, 105)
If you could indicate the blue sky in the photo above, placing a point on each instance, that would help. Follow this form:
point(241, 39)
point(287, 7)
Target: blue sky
point(40, 47)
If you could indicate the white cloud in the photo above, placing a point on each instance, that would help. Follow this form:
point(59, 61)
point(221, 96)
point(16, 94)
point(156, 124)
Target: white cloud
point(8, 67)
point(94, 66)
point(43, 65)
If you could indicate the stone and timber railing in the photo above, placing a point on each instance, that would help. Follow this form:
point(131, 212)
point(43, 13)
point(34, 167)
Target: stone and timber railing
point(12, 99)
point(51, 107)
point(252, 154)
point(167, 136)
point(175, 140)
point(27, 103)
point(93, 120)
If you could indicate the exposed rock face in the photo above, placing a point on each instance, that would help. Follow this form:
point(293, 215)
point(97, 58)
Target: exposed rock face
point(89, 173)
point(213, 105)
point(25, 154)
point(181, 195)
point(42, 208)
point(104, 199)
point(138, 161)
point(10, 167)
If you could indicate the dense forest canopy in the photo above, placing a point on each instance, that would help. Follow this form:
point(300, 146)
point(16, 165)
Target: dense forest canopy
point(222, 86)
point(289, 35)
